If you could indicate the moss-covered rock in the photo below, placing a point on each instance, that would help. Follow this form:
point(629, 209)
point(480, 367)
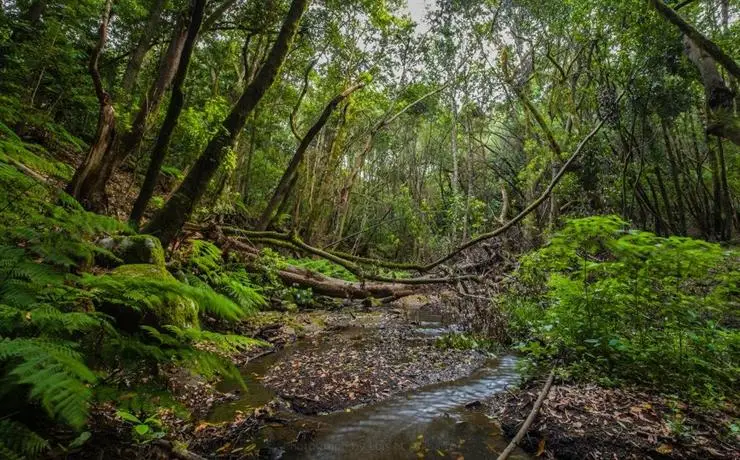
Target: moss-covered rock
point(173, 309)
point(134, 249)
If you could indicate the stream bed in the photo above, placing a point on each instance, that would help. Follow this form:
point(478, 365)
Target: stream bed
point(438, 420)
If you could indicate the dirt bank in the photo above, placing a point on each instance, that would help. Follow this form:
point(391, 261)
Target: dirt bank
point(588, 421)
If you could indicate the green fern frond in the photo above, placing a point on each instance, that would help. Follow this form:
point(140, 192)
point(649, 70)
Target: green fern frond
point(55, 373)
point(227, 343)
point(16, 438)
point(148, 293)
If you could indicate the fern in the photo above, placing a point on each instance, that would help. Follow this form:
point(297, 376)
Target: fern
point(55, 374)
point(16, 441)
point(56, 336)
point(206, 261)
point(149, 294)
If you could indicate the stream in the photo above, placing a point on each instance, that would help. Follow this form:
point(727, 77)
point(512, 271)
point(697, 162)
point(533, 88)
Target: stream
point(441, 420)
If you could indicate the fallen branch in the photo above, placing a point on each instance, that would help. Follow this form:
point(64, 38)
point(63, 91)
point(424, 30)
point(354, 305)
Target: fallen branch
point(532, 206)
point(293, 242)
point(354, 268)
point(530, 418)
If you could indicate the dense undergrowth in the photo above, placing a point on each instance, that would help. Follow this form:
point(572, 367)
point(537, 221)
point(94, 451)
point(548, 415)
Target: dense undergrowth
point(614, 305)
point(75, 331)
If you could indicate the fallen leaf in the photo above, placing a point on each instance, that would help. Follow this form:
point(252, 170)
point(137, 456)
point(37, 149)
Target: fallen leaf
point(540, 448)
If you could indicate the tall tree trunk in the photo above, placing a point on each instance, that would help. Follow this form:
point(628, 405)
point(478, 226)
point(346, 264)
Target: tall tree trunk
point(142, 47)
point(675, 177)
point(177, 100)
point(95, 197)
point(106, 130)
point(243, 186)
point(283, 188)
point(721, 119)
point(726, 219)
point(167, 223)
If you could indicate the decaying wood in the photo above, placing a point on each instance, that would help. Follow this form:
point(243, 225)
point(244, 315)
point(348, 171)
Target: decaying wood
point(321, 284)
point(293, 242)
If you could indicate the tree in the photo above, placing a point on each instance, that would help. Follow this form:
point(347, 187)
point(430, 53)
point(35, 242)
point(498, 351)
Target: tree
point(81, 185)
point(170, 219)
point(284, 186)
point(177, 101)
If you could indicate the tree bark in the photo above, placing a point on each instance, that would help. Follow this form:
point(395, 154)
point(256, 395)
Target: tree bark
point(702, 42)
point(93, 195)
point(106, 130)
point(283, 188)
point(142, 47)
point(721, 120)
point(177, 101)
point(168, 222)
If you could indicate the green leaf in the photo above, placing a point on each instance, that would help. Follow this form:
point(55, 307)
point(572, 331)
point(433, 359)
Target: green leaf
point(80, 440)
point(128, 416)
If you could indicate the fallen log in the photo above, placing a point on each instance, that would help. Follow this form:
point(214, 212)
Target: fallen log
point(293, 242)
point(321, 284)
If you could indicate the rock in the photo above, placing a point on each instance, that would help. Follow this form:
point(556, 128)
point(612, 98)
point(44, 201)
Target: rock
point(133, 249)
point(473, 404)
point(175, 310)
point(277, 334)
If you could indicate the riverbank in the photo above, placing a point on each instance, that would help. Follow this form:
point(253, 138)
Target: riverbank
point(589, 421)
point(374, 381)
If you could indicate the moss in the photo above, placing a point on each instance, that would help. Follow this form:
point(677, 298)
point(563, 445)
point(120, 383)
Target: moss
point(134, 249)
point(144, 271)
point(142, 249)
point(175, 310)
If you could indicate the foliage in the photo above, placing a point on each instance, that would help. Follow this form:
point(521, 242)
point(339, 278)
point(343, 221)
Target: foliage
point(324, 267)
point(463, 341)
point(58, 349)
point(145, 430)
point(615, 303)
point(206, 263)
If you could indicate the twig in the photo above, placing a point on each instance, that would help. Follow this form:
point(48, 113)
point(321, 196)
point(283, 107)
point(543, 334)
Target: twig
point(530, 418)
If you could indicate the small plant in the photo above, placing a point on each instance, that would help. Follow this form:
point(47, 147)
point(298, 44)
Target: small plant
point(460, 341)
point(146, 430)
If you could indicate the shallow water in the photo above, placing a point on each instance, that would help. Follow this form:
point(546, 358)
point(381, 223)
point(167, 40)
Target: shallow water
point(391, 429)
point(432, 421)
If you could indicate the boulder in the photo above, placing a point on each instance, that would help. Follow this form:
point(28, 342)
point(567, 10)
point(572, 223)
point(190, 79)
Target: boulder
point(174, 309)
point(133, 249)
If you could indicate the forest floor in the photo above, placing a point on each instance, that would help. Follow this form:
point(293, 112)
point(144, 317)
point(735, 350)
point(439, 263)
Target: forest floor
point(335, 360)
point(589, 421)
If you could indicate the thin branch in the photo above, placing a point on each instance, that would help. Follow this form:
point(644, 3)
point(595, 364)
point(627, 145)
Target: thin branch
point(304, 90)
point(530, 418)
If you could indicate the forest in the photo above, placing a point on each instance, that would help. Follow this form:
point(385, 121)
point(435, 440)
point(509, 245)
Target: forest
point(369, 229)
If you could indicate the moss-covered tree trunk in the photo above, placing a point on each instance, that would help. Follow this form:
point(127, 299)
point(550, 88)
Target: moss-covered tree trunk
point(284, 187)
point(177, 101)
point(167, 223)
point(142, 47)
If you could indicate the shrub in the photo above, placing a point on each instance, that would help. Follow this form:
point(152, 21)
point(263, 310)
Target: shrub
point(616, 303)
